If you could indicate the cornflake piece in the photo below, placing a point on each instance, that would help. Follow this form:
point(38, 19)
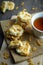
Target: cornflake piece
point(6, 55)
point(38, 63)
point(3, 63)
point(22, 3)
point(17, 7)
point(30, 38)
point(30, 62)
point(30, 54)
point(34, 49)
point(34, 8)
point(38, 42)
point(24, 9)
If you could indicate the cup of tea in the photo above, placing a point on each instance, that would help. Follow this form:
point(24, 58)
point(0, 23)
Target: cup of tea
point(37, 24)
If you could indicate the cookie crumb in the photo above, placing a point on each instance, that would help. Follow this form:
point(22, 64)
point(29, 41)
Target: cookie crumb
point(24, 9)
point(22, 4)
point(34, 49)
point(30, 38)
point(30, 62)
point(17, 8)
point(6, 55)
point(2, 63)
point(38, 63)
point(34, 8)
point(30, 54)
point(38, 42)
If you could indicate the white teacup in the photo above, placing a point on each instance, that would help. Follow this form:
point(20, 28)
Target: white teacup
point(36, 31)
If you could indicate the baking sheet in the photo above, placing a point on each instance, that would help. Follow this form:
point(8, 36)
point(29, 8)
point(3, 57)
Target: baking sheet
point(17, 58)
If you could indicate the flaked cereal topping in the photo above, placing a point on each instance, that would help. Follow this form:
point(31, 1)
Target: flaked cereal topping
point(6, 55)
point(3, 63)
point(17, 7)
point(34, 49)
point(22, 3)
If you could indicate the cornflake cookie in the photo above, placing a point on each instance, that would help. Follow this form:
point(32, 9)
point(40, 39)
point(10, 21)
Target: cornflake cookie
point(15, 44)
point(24, 18)
point(11, 5)
point(24, 50)
point(15, 32)
point(7, 5)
